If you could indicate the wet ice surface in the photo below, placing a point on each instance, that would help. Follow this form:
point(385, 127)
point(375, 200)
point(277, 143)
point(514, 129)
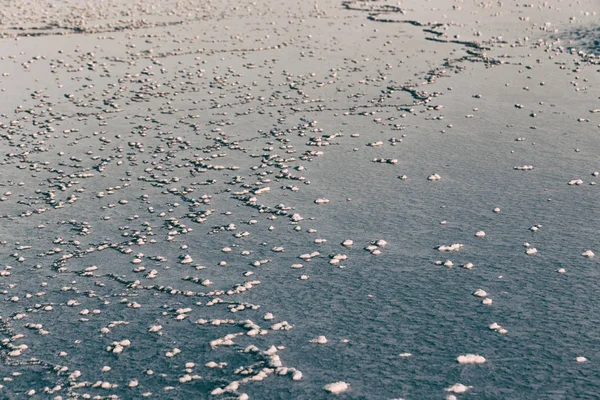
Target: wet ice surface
point(246, 200)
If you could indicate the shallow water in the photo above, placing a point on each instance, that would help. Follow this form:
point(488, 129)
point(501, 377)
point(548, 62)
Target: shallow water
point(143, 132)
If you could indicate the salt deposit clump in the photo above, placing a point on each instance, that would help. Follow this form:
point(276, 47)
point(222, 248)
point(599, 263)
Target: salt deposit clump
point(117, 347)
point(458, 388)
point(452, 247)
point(371, 248)
point(336, 387)
point(319, 340)
point(337, 258)
point(187, 259)
point(470, 359)
point(588, 254)
point(496, 327)
point(393, 161)
point(296, 218)
point(531, 251)
point(524, 167)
